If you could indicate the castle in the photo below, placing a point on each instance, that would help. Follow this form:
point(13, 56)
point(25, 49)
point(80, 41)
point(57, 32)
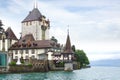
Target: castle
point(35, 43)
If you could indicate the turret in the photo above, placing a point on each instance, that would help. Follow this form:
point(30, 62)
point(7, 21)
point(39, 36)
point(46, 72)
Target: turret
point(68, 53)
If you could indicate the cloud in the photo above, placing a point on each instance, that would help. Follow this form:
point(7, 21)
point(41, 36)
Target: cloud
point(94, 24)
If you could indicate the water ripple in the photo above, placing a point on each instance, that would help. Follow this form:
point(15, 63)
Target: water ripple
point(94, 73)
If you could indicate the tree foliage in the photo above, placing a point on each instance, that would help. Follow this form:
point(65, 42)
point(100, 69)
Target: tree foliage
point(13, 63)
point(1, 23)
point(54, 39)
point(82, 58)
point(73, 48)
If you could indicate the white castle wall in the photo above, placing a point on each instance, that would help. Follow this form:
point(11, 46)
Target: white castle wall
point(34, 28)
point(7, 44)
point(29, 54)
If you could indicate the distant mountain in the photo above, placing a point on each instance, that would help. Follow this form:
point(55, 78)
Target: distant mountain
point(108, 62)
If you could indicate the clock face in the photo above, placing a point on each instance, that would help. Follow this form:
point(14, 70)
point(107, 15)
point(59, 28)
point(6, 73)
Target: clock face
point(43, 27)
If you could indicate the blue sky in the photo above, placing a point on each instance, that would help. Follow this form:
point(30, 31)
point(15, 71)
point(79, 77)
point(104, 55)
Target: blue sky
point(94, 24)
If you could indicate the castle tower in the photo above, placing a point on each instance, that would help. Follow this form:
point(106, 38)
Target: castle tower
point(68, 52)
point(68, 55)
point(36, 24)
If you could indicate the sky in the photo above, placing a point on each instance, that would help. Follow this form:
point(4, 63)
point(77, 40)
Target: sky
point(94, 25)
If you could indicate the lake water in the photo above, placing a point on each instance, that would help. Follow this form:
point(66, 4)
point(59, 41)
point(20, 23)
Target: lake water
point(93, 73)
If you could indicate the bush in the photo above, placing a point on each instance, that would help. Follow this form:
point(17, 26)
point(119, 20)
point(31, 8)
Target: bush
point(60, 64)
point(13, 63)
point(82, 58)
point(30, 65)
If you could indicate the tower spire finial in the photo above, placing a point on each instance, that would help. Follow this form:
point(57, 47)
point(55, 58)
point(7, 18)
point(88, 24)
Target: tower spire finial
point(68, 29)
point(35, 4)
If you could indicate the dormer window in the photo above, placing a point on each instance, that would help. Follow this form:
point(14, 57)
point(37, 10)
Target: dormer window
point(23, 40)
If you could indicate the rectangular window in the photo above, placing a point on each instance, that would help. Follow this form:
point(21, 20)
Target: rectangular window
point(26, 57)
point(26, 51)
point(21, 51)
point(16, 57)
point(33, 51)
point(33, 57)
point(16, 52)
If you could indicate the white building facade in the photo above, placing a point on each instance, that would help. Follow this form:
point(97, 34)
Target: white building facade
point(34, 42)
point(7, 39)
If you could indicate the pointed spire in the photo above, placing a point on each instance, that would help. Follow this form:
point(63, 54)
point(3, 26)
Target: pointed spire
point(68, 48)
point(68, 29)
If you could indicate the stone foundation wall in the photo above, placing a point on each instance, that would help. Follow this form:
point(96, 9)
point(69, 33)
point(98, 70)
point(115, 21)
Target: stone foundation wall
point(76, 65)
point(20, 68)
point(40, 65)
point(37, 66)
point(68, 66)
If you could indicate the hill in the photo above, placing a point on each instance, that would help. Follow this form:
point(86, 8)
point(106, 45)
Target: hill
point(108, 62)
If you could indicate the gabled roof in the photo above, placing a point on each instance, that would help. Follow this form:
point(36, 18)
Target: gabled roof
point(41, 44)
point(44, 43)
point(68, 48)
point(28, 42)
point(27, 37)
point(10, 34)
point(33, 15)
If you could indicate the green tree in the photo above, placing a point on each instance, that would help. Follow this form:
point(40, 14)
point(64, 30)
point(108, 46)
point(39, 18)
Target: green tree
point(82, 58)
point(1, 23)
point(1, 28)
point(73, 48)
point(54, 39)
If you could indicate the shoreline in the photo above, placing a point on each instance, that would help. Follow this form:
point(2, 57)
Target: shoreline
point(8, 72)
